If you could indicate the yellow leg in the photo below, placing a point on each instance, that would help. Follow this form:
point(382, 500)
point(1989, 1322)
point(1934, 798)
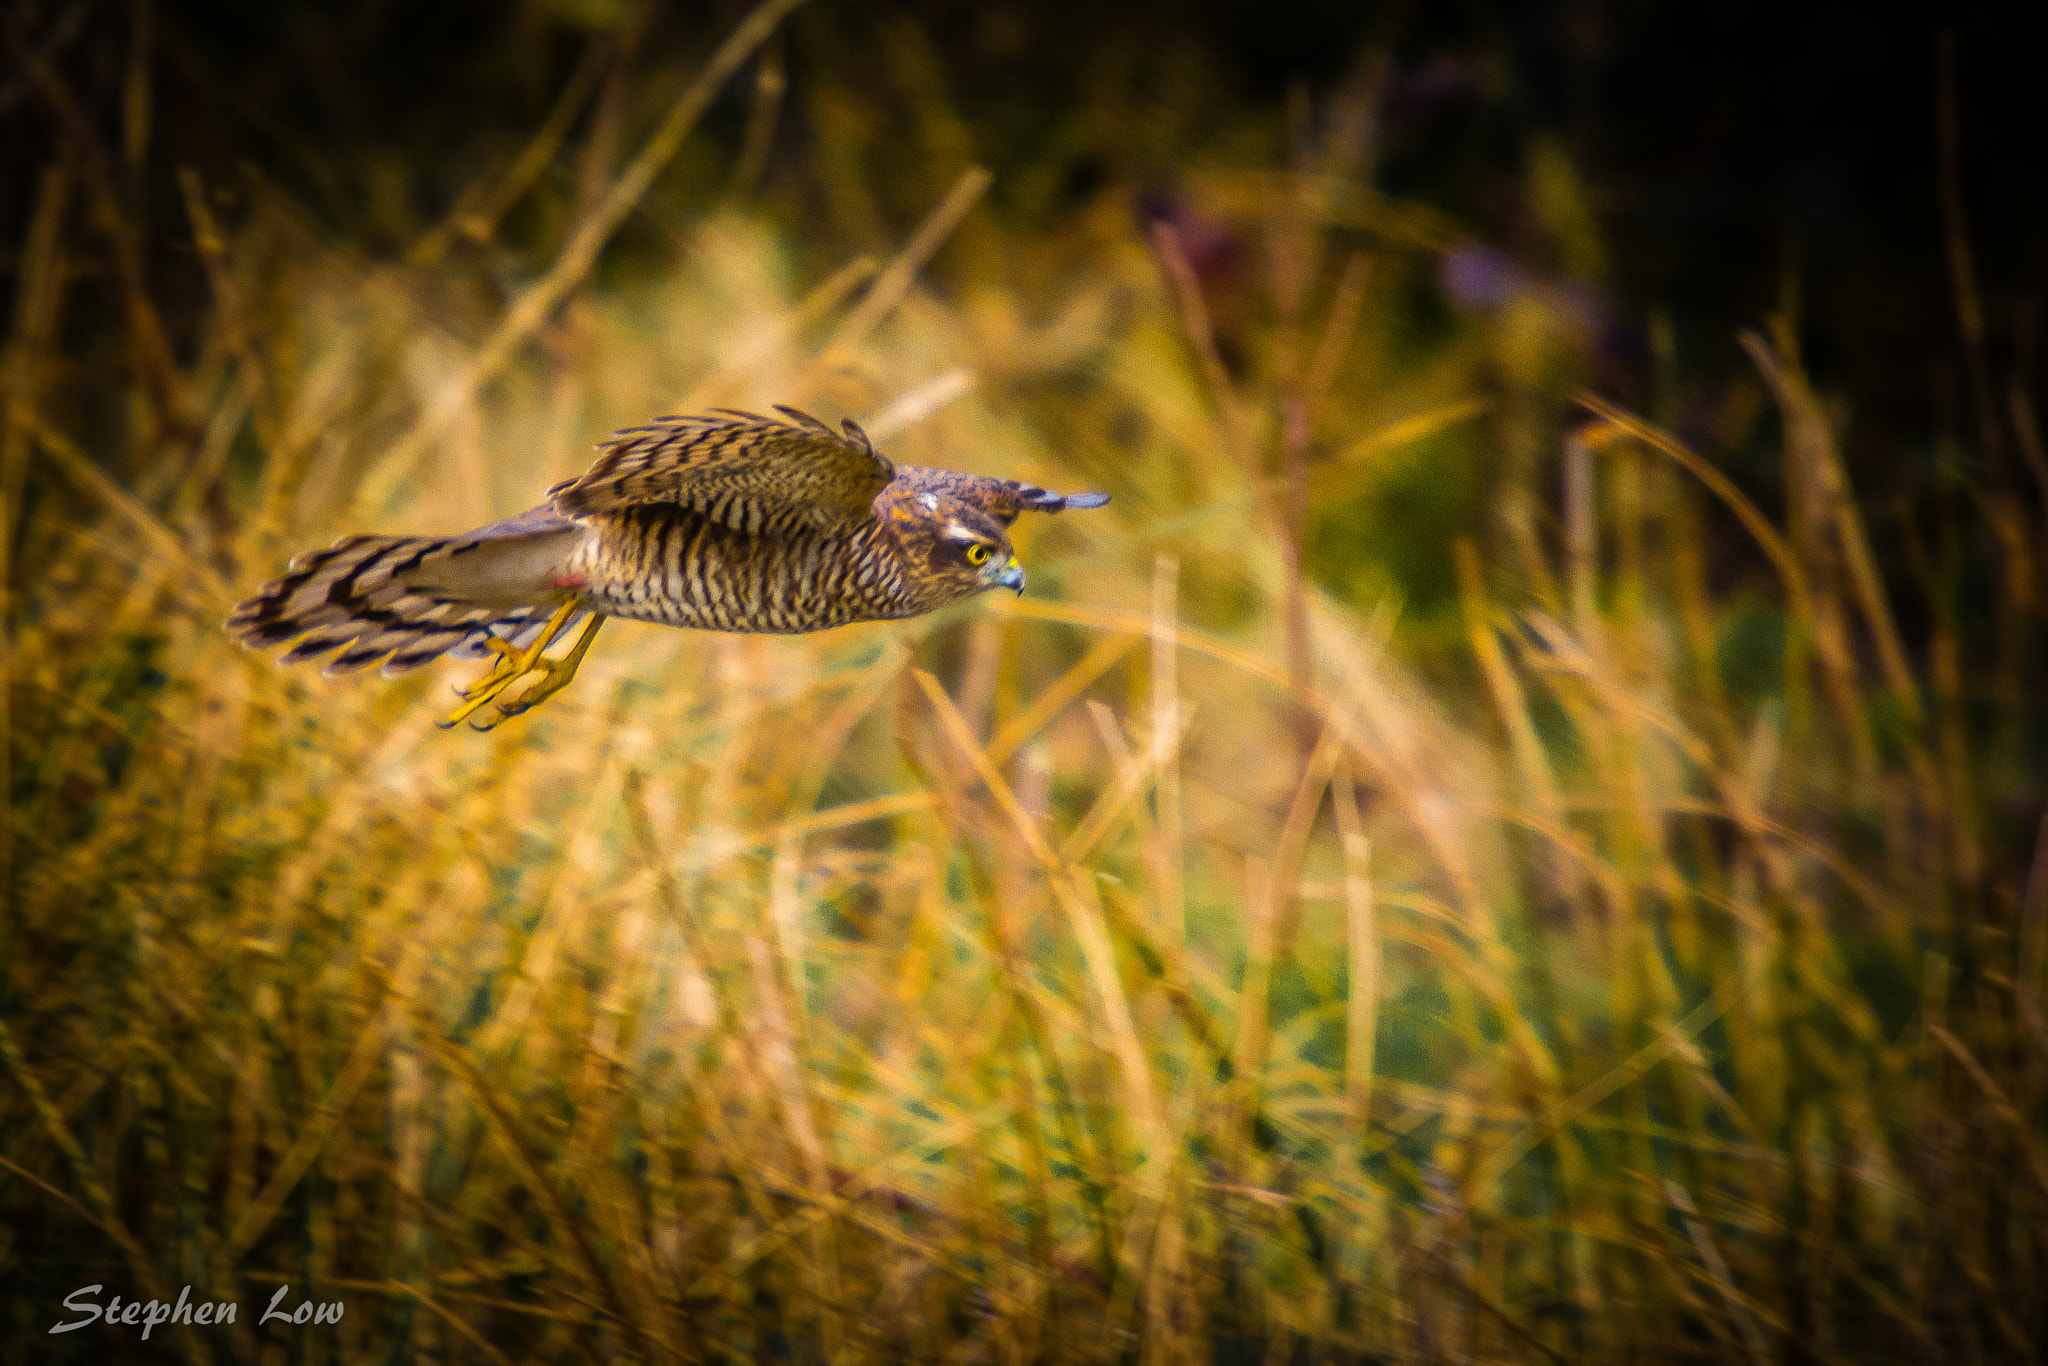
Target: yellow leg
point(557, 674)
point(512, 664)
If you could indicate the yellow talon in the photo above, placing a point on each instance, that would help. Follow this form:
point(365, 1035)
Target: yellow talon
point(505, 661)
point(557, 675)
point(512, 665)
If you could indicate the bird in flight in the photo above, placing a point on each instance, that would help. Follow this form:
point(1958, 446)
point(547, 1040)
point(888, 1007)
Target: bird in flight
point(725, 522)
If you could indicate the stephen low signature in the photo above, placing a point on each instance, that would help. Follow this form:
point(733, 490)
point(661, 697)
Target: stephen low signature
point(151, 1314)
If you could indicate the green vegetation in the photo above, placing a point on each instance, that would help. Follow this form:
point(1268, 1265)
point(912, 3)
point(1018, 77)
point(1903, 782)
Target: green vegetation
point(1441, 869)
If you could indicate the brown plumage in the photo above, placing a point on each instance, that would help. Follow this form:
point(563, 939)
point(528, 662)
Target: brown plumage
point(726, 522)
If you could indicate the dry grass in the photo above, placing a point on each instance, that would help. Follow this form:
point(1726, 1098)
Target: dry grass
point(1631, 956)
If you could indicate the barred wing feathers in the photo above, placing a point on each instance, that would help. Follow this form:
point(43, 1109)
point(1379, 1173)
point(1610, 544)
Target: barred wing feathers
point(752, 474)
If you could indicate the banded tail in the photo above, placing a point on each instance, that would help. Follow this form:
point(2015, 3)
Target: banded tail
point(410, 599)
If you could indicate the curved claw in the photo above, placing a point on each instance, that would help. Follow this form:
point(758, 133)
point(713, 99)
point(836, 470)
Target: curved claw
point(513, 665)
point(503, 663)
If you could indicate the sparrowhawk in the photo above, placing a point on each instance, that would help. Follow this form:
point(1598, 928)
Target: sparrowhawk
point(725, 522)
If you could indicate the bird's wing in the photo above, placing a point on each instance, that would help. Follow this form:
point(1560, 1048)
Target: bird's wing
point(751, 473)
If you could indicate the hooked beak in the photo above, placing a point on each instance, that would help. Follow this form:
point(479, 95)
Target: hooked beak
point(1012, 577)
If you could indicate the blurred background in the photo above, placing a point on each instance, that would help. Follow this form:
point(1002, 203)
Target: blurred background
point(1517, 836)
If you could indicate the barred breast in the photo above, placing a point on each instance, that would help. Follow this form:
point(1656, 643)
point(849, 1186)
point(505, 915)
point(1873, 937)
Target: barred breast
point(665, 563)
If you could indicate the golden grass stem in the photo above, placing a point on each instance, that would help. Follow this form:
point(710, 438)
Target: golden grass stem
point(1248, 1050)
point(1056, 696)
point(1803, 413)
point(437, 1309)
point(1340, 325)
point(1169, 909)
point(785, 1061)
point(771, 83)
point(90, 479)
point(157, 362)
point(539, 300)
point(2023, 1133)
point(919, 403)
point(1408, 430)
point(104, 1216)
point(2026, 429)
point(1194, 313)
point(812, 309)
point(1564, 1114)
point(527, 1163)
point(231, 308)
point(38, 294)
point(893, 284)
point(1955, 224)
point(2030, 976)
point(385, 1014)
point(1717, 1266)
point(1582, 536)
point(485, 201)
point(1361, 933)
point(555, 908)
point(1719, 484)
point(1116, 801)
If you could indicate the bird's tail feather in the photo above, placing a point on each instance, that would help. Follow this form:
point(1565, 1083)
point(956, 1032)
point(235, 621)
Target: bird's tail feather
point(409, 599)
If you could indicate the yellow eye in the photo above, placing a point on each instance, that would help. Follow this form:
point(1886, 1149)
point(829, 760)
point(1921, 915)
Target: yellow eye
point(977, 553)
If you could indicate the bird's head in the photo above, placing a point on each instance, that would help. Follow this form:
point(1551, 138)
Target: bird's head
point(954, 528)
